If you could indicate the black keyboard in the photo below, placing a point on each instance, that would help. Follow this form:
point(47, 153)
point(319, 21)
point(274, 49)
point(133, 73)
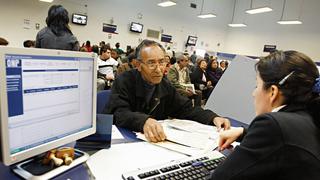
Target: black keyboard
point(196, 167)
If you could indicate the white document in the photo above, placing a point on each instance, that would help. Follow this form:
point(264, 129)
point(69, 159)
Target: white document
point(187, 137)
point(116, 134)
point(120, 158)
point(193, 126)
point(189, 87)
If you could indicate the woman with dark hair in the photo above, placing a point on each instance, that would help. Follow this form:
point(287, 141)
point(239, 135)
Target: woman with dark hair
point(57, 34)
point(200, 79)
point(214, 72)
point(283, 141)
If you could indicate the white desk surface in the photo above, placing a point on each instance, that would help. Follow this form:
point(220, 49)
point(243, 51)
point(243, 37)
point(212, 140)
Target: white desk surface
point(120, 158)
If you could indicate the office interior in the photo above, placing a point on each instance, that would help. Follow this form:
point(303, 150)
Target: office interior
point(21, 20)
point(180, 21)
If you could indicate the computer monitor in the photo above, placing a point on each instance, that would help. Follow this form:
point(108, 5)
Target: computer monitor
point(136, 27)
point(79, 19)
point(47, 99)
point(192, 40)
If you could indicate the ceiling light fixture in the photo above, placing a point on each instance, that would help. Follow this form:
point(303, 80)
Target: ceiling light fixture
point(49, 1)
point(258, 10)
point(287, 22)
point(167, 3)
point(235, 24)
point(207, 15)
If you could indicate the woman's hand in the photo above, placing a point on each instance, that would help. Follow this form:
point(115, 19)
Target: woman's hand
point(229, 136)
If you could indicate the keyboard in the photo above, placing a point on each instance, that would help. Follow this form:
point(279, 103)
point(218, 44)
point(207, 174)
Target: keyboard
point(195, 167)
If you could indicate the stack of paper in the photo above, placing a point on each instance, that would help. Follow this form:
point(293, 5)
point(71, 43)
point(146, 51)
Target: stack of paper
point(188, 137)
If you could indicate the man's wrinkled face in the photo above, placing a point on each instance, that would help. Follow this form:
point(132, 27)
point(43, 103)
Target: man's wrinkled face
point(152, 64)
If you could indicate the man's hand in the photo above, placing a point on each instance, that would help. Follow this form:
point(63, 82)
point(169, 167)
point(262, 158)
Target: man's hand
point(189, 93)
point(229, 136)
point(153, 130)
point(221, 122)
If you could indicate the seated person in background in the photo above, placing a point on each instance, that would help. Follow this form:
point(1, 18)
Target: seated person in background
point(106, 68)
point(167, 58)
point(29, 44)
point(88, 46)
point(57, 34)
point(133, 64)
point(142, 96)
point(83, 49)
point(214, 72)
point(200, 80)
point(179, 77)
point(95, 49)
point(119, 51)
point(115, 56)
point(223, 65)
point(3, 42)
point(283, 141)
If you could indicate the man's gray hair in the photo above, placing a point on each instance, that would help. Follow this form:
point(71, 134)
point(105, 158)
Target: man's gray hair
point(146, 43)
point(180, 57)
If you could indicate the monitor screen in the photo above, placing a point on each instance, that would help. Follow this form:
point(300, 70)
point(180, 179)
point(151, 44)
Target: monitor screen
point(109, 28)
point(166, 38)
point(79, 19)
point(136, 27)
point(269, 48)
point(48, 99)
point(192, 40)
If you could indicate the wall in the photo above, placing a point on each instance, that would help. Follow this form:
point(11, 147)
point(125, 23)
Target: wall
point(178, 21)
point(263, 29)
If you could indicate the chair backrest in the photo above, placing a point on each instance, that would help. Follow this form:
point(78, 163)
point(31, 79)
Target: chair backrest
point(102, 100)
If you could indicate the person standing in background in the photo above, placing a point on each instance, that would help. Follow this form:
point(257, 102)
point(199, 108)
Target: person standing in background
point(57, 34)
point(193, 58)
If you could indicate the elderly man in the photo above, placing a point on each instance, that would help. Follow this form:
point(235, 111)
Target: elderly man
point(142, 96)
point(179, 76)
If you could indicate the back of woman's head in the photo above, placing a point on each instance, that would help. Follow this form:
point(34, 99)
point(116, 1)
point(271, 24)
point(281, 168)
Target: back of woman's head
point(295, 74)
point(58, 20)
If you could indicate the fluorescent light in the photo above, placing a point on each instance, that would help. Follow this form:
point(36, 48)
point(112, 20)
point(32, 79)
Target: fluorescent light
point(289, 22)
point(237, 25)
point(46, 1)
point(209, 15)
point(259, 10)
point(167, 3)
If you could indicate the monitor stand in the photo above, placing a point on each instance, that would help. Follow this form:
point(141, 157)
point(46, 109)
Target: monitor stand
point(34, 169)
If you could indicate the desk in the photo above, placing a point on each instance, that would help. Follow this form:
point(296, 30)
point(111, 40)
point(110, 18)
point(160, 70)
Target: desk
point(80, 172)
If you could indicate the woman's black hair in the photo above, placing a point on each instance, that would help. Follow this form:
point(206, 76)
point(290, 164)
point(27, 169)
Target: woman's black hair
point(58, 20)
point(300, 74)
point(210, 65)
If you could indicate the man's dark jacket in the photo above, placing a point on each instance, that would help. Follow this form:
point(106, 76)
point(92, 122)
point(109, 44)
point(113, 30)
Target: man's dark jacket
point(130, 109)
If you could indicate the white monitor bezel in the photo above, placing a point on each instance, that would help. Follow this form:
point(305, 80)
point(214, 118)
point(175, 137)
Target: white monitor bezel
point(9, 159)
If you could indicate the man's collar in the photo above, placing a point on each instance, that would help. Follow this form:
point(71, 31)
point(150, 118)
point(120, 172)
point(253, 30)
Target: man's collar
point(178, 67)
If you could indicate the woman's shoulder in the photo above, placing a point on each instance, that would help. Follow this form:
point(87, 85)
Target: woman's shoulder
point(44, 30)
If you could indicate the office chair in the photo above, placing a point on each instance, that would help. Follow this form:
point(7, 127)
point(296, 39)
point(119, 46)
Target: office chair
point(102, 138)
point(102, 100)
